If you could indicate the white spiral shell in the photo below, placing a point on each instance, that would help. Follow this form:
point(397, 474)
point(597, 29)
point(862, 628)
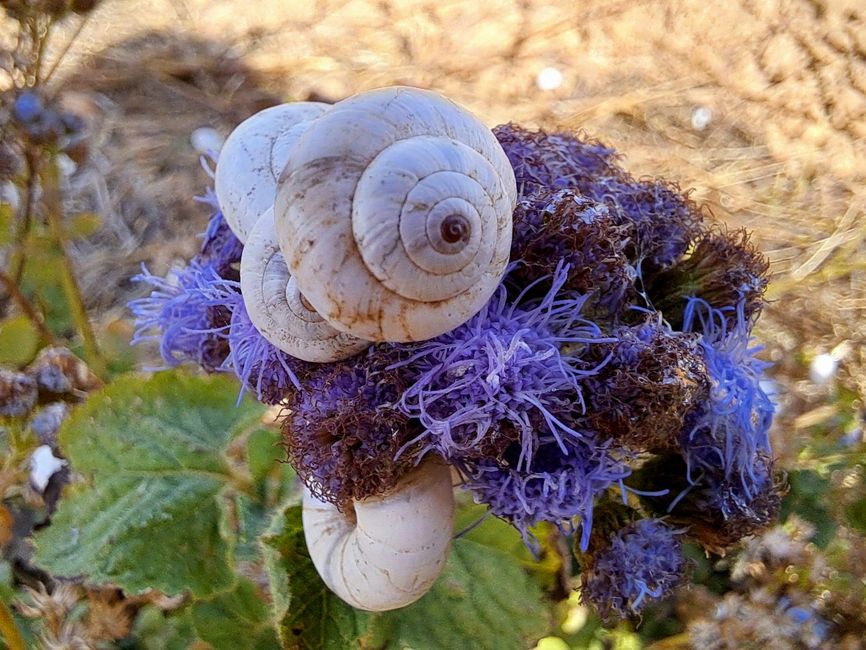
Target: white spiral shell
point(395, 549)
point(394, 214)
point(277, 308)
point(252, 158)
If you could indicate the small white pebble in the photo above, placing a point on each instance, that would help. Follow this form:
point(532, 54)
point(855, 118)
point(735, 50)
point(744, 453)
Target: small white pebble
point(549, 79)
point(701, 118)
point(43, 465)
point(823, 368)
point(206, 140)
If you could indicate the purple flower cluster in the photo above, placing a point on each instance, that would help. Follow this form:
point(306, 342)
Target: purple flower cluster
point(662, 220)
point(625, 570)
point(560, 487)
point(343, 432)
point(613, 364)
point(512, 373)
point(197, 314)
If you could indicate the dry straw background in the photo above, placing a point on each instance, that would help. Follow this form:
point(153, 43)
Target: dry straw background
point(783, 154)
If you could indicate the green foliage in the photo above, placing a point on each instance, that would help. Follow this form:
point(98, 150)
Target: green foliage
point(484, 599)
point(807, 497)
point(238, 619)
point(308, 616)
point(156, 631)
point(18, 341)
point(149, 515)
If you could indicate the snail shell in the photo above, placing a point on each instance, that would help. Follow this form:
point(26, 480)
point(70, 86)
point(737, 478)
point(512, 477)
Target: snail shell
point(396, 547)
point(276, 307)
point(394, 214)
point(252, 158)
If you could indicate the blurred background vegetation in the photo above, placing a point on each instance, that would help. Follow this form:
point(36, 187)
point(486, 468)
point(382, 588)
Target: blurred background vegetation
point(759, 105)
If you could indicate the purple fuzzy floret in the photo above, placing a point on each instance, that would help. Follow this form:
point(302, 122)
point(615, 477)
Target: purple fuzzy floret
point(636, 565)
point(261, 366)
point(731, 432)
point(188, 313)
point(559, 488)
point(514, 368)
point(220, 246)
point(665, 220)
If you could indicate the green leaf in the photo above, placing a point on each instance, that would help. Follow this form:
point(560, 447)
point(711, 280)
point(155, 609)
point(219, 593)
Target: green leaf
point(485, 529)
point(238, 619)
point(807, 497)
point(18, 341)
point(308, 615)
point(484, 599)
point(263, 452)
point(149, 515)
point(155, 630)
point(244, 520)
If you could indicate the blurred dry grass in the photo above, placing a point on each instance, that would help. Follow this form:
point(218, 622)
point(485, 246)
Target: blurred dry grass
point(783, 153)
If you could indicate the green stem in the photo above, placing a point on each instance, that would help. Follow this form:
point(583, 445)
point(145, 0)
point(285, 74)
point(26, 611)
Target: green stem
point(9, 629)
point(54, 215)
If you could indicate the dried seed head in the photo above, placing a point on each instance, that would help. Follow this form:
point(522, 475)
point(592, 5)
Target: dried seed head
point(18, 394)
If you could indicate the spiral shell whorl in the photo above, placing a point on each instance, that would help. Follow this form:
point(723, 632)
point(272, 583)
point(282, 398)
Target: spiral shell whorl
point(276, 307)
point(252, 159)
point(394, 214)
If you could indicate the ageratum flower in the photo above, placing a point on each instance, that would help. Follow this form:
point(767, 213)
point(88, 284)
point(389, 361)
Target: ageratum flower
point(731, 430)
point(632, 567)
point(262, 367)
point(559, 487)
point(220, 246)
point(562, 225)
point(512, 372)
point(724, 269)
point(718, 510)
point(197, 316)
point(188, 313)
point(653, 378)
point(664, 219)
point(342, 432)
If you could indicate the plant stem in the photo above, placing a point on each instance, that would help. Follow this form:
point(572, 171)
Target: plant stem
point(54, 215)
point(27, 308)
point(16, 262)
point(9, 629)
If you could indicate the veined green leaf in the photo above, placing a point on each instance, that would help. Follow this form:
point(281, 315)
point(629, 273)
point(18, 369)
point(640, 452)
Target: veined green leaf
point(148, 515)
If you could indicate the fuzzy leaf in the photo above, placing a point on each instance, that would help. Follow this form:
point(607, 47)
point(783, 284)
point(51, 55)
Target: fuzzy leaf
point(484, 599)
point(308, 615)
point(148, 515)
point(238, 619)
point(156, 630)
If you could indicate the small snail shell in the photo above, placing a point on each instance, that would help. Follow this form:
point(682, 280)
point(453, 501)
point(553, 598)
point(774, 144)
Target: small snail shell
point(276, 307)
point(395, 549)
point(394, 214)
point(252, 158)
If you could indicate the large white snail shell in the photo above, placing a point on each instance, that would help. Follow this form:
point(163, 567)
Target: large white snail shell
point(252, 158)
point(395, 549)
point(394, 214)
point(276, 307)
